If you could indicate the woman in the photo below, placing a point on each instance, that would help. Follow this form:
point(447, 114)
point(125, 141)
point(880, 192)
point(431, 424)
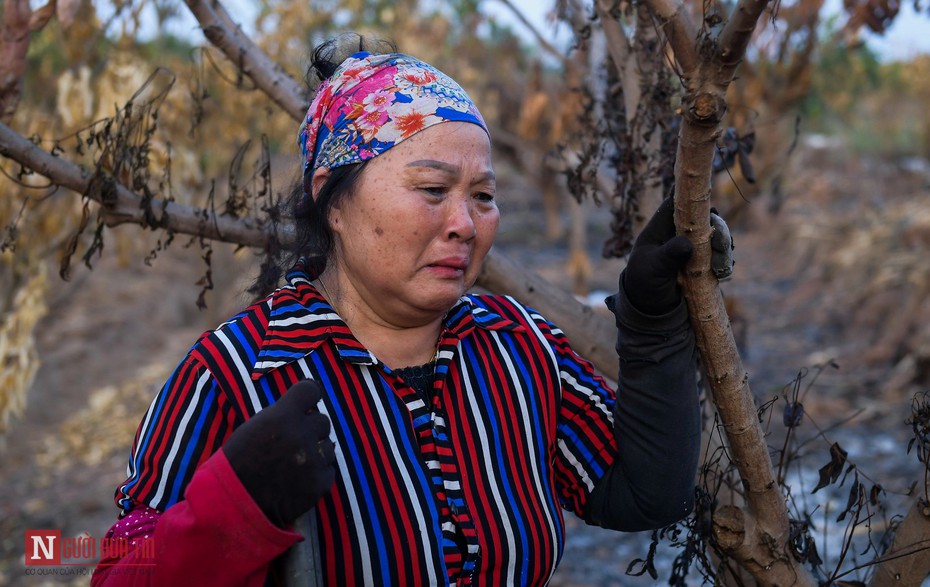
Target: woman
point(436, 435)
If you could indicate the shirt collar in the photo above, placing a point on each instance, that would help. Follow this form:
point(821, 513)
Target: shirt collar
point(301, 320)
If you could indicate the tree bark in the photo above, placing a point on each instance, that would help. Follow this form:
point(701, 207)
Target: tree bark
point(907, 560)
point(763, 549)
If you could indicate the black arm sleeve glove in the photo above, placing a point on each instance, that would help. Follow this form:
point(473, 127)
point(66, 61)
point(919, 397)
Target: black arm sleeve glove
point(657, 413)
point(656, 424)
point(283, 455)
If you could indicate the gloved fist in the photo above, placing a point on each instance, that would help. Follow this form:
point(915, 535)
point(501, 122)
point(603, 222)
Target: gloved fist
point(283, 455)
point(650, 280)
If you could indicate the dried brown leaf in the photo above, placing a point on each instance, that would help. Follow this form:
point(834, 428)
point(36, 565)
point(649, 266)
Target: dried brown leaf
point(830, 472)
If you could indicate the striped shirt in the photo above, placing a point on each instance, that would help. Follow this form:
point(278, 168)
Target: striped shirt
point(468, 489)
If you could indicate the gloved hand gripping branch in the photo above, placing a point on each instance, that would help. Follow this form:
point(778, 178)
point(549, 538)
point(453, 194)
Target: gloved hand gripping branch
point(656, 413)
point(650, 279)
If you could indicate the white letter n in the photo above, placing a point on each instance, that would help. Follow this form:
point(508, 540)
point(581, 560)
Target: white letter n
point(47, 549)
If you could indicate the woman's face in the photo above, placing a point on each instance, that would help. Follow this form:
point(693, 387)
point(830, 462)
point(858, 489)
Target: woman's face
point(411, 237)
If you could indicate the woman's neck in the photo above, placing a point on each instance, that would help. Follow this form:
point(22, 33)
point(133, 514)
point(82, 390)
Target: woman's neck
point(393, 344)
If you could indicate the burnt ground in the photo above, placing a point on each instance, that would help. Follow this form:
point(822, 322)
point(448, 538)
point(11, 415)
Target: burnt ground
point(113, 334)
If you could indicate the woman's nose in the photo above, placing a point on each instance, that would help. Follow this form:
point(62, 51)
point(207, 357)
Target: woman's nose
point(460, 224)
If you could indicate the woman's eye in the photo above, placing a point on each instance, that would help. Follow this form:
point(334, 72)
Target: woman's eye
point(485, 197)
point(435, 190)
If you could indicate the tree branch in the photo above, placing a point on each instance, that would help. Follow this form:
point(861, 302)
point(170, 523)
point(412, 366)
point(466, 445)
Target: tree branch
point(127, 206)
point(758, 536)
point(592, 336)
point(735, 36)
point(681, 37)
point(267, 75)
point(546, 45)
point(762, 547)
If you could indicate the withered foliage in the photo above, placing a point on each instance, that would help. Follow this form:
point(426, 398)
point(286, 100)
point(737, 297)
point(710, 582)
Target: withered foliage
point(127, 149)
point(842, 534)
point(611, 138)
point(920, 442)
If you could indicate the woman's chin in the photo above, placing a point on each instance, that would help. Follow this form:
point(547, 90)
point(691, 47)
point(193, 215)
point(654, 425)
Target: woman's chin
point(440, 297)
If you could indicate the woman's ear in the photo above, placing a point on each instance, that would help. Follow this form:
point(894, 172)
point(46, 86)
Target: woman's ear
point(317, 181)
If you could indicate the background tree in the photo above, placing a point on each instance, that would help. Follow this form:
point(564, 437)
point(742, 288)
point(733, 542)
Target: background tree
point(642, 76)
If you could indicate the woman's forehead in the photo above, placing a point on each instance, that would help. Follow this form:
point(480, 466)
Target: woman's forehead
point(444, 147)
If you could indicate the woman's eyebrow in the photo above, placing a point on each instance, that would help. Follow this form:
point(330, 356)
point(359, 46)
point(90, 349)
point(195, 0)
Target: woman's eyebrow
point(434, 164)
point(447, 168)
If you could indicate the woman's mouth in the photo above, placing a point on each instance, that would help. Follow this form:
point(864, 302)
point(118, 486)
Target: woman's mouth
point(450, 267)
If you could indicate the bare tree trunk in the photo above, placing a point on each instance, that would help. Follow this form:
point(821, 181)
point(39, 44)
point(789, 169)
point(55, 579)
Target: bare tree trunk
point(757, 536)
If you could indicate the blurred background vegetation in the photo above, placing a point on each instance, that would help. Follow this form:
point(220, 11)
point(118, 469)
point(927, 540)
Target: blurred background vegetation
point(832, 121)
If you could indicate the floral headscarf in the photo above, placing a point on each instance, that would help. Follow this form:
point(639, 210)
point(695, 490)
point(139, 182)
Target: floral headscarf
point(372, 102)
